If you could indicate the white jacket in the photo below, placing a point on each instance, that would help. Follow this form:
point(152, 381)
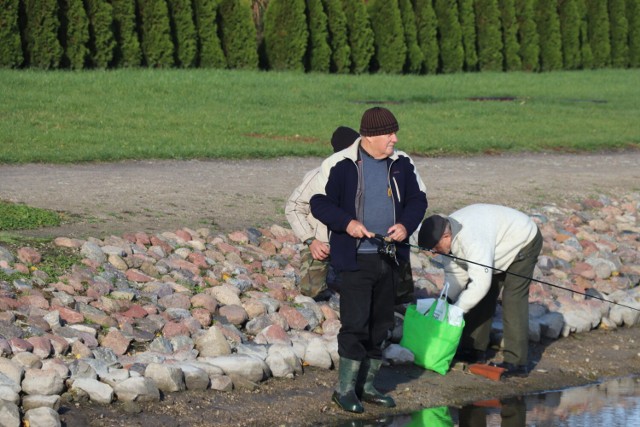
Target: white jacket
point(487, 234)
point(303, 223)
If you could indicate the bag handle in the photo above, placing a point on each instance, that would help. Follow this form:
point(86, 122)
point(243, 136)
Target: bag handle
point(441, 306)
point(445, 291)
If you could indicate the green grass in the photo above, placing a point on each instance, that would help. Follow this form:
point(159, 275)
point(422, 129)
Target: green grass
point(62, 117)
point(23, 217)
point(56, 261)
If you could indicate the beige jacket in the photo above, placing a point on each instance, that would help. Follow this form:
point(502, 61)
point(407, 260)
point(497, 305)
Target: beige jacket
point(298, 212)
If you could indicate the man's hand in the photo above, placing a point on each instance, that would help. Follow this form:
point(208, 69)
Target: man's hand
point(358, 230)
point(319, 250)
point(397, 232)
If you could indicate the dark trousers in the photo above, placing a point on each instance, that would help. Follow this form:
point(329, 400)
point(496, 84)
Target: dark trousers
point(515, 308)
point(366, 307)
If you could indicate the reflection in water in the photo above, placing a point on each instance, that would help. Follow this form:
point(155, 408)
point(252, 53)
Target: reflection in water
point(512, 412)
point(615, 403)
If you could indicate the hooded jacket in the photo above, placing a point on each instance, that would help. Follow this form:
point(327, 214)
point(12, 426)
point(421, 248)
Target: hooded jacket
point(486, 234)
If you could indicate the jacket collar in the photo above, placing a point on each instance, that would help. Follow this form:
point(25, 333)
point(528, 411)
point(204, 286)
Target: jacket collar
point(351, 152)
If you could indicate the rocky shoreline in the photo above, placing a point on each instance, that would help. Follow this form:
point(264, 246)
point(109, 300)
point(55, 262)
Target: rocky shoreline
point(144, 315)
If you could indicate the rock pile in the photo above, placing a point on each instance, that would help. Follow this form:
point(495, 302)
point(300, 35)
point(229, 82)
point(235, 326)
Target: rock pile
point(143, 315)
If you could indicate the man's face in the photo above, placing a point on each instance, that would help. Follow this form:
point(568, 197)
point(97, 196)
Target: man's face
point(380, 146)
point(444, 245)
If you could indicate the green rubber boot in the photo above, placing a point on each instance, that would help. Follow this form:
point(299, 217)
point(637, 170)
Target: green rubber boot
point(364, 386)
point(345, 394)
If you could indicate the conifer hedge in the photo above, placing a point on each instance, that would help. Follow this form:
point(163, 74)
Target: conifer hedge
point(489, 35)
point(569, 33)
point(427, 31)
point(415, 57)
point(619, 27)
point(101, 40)
point(511, 47)
point(548, 24)
point(598, 26)
point(285, 34)
point(633, 17)
point(388, 35)
point(318, 56)
point(43, 49)
point(450, 36)
point(586, 56)
point(183, 32)
point(127, 52)
point(10, 43)
point(210, 54)
point(239, 38)
point(74, 27)
point(468, 30)
point(325, 36)
point(360, 35)
point(527, 35)
point(157, 46)
point(338, 40)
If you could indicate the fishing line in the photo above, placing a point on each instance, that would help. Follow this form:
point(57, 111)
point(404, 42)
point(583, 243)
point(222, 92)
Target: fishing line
point(385, 241)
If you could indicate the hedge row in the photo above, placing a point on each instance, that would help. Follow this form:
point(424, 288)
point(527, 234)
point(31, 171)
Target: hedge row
point(327, 36)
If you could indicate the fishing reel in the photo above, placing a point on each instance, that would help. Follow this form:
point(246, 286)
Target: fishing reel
point(387, 247)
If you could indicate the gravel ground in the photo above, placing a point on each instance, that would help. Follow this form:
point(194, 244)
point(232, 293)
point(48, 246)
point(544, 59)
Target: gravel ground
point(112, 198)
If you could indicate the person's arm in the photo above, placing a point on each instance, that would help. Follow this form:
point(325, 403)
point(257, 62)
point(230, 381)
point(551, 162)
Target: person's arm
point(479, 278)
point(297, 209)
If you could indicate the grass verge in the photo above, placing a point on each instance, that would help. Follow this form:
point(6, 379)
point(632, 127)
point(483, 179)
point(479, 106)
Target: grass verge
point(63, 117)
point(22, 217)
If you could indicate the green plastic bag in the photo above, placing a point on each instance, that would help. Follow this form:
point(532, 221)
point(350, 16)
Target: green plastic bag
point(433, 342)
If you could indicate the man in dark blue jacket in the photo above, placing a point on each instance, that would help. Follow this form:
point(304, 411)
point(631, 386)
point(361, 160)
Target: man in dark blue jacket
point(365, 190)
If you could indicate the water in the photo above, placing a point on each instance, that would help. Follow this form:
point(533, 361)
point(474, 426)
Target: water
point(614, 403)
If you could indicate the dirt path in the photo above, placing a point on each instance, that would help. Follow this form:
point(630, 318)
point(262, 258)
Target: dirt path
point(112, 198)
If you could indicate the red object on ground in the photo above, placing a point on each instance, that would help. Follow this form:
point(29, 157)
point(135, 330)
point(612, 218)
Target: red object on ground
point(494, 403)
point(492, 372)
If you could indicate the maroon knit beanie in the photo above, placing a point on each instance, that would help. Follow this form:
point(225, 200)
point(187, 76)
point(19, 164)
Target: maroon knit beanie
point(378, 121)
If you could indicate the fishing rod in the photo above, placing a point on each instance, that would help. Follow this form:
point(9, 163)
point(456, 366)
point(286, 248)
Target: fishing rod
point(386, 243)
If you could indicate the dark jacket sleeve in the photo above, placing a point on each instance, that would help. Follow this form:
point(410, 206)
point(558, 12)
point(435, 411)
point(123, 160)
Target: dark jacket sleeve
point(326, 206)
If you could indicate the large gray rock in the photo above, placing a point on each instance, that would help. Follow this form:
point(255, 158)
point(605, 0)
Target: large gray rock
point(98, 391)
point(317, 354)
point(33, 401)
point(166, 377)
point(212, 343)
point(9, 414)
point(11, 374)
point(9, 394)
point(194, 377)
point(42, 382)
point(42, 417)
point(241, 365)
point(137, 389)
point(552, 325)
point(283, 361)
